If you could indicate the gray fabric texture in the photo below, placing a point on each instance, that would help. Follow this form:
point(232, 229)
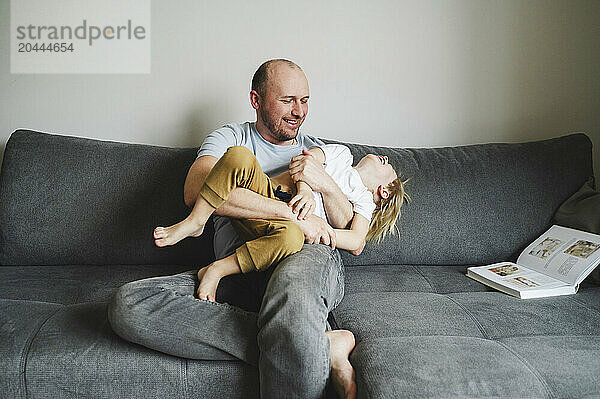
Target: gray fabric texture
point(501, 315)
point(567, 364)
point(581, 210)
point(403, 314)
point(409, 278)
point(19, 323)
point(471, 344)
point(479, 203)
point(442, 367)
point(75, 354)
point(73, 283)
point(68, 200)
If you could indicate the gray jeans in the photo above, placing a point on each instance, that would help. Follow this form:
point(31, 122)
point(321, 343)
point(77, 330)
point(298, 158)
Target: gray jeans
point(275, 320)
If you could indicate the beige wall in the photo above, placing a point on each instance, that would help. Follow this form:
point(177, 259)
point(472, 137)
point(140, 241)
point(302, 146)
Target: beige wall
point(398, 73)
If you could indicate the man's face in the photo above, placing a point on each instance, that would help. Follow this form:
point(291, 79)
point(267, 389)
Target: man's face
point(284, 105)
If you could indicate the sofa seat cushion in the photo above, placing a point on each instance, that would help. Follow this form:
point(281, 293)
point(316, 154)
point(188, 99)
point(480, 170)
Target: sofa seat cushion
point(502, 316)
point(479, 314)
point(442, 367)
point(70, 351)
point(475, 344)
point(451, 366)
point(395, 314)
point(19, 323)
point(569, 365)
point(74, 283)
point(409, 278)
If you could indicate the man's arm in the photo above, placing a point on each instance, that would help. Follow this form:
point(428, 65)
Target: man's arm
point(308, 167)
point(242, 203)
point(246, 204)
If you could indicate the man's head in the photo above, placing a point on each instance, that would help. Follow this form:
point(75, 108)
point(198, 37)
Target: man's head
point(280, 97)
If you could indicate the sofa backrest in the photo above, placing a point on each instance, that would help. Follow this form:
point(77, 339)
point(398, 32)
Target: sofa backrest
point(477, 204)
point(69, 200)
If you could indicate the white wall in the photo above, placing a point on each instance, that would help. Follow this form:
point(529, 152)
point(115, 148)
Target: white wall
point(398, 73)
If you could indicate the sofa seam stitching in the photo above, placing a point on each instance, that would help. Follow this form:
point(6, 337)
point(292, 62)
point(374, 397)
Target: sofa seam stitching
point(584, 305)
point(27, 348)
point(432, 286)
point(471, 316)
point(539, 377)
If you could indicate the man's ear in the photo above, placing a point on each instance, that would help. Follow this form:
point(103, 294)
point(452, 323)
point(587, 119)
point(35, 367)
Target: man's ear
point(254, 99)
point(383, 192)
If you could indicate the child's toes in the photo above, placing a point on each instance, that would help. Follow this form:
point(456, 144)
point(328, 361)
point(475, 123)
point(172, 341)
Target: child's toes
point(159, 232)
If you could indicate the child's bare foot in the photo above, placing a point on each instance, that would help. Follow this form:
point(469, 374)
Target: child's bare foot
point(164, 236)
point(209, 277)
point(341, 343)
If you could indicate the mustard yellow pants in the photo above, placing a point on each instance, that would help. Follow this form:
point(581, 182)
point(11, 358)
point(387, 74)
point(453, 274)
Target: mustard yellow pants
point(268, 241)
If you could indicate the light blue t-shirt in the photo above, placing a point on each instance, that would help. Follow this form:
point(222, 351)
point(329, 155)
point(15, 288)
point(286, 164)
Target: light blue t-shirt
point(273, 159)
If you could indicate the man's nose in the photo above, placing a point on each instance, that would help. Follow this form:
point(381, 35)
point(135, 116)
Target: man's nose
point(297, 110)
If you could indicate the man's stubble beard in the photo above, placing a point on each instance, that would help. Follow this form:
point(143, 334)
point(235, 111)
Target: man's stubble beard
point(279, 134)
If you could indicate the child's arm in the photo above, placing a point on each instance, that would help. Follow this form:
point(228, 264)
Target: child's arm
point(353, 240)
point(337, 207)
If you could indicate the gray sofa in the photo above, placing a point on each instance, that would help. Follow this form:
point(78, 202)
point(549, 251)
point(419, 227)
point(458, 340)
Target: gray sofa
point(76, 220)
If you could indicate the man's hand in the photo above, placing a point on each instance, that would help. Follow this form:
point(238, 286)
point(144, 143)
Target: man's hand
point(303, 203)
point(305, 168)
point(317, 231)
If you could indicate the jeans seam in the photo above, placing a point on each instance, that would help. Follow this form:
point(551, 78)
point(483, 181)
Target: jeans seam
point(184, 378)
point(340, 277)
point(326, 289)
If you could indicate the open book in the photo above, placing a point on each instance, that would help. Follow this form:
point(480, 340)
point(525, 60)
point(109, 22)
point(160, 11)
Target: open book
point(554, 264)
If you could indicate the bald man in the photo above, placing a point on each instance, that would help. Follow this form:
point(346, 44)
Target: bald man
point(287, 316)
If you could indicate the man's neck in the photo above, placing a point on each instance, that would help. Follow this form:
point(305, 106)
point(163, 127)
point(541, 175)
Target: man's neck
point(266, 134)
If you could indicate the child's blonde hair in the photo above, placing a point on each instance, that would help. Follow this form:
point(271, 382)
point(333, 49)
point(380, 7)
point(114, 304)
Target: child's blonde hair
point(387, 211)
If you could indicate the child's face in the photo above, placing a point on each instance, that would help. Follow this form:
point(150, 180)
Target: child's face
point(381, 171)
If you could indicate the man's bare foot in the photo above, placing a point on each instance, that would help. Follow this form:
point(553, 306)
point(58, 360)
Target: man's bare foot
point(341, 343)
point(164, 236)
point(209, 277)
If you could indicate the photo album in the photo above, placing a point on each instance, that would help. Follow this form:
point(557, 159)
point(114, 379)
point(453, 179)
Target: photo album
point(554, 264)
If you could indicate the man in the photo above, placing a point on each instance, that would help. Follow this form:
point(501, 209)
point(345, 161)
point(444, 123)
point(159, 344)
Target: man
point(288, 318)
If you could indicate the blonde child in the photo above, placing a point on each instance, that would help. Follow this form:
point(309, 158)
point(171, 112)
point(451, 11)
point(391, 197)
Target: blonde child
point(372, 187)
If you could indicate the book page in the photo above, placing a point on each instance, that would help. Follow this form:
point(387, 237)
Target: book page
point(565, 254)
point(517, 277)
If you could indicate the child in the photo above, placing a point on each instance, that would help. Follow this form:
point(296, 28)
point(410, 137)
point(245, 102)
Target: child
point(372, 186)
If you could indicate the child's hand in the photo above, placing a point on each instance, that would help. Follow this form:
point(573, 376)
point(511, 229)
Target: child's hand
point(303, 203)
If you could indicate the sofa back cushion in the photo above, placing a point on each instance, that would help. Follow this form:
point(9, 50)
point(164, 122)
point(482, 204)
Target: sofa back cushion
point(69, 200)
point(477, 204)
